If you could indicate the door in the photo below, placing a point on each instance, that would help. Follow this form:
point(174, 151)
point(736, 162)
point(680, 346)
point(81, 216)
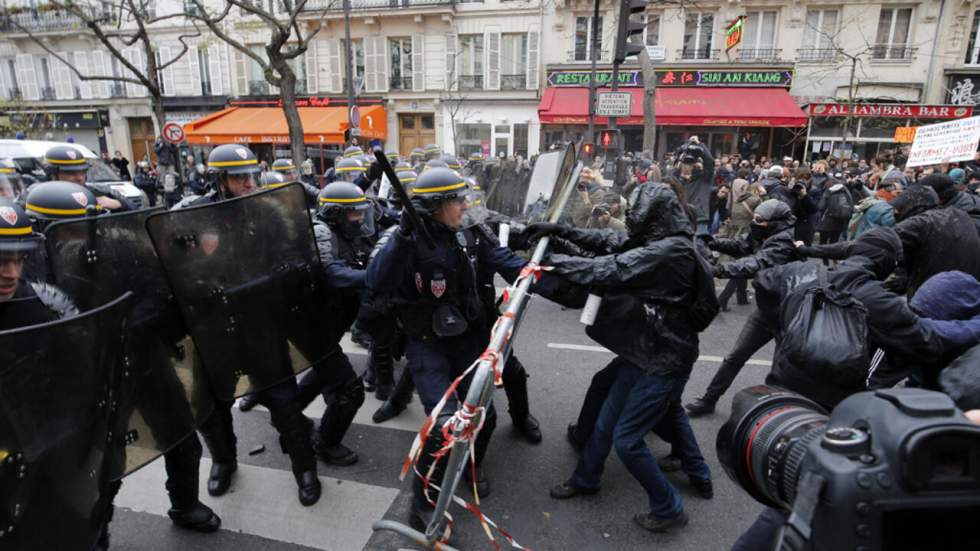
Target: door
point(415, 130)
point(141, 139)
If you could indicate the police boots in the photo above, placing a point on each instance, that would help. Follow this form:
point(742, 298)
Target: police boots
point(399, 399)
point(382, 366)
point(294, 429)
point(186, 511)
point(219, 436)
point(335, 422)
point(515, 386)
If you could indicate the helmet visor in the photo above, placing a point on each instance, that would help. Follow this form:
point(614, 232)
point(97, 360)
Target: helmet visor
point(11, 186)
point(240, 184)
point(358, 220)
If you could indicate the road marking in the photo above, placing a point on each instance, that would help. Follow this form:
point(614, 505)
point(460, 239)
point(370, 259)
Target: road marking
point(262, 502)
point(588, 348)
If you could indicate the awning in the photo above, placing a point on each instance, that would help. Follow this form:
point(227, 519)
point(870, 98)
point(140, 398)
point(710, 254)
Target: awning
point(682, 107)
point(324, 125)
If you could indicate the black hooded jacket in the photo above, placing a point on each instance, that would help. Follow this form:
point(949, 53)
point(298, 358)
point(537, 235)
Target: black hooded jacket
point(751, 256)
point(649, 271)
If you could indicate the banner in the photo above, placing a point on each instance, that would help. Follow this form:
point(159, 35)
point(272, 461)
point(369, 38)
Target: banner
point(946, 142)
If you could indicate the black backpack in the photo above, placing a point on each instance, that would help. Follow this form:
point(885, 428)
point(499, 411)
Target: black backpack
point(826, 334)
point(705, 305)
point(839, 206)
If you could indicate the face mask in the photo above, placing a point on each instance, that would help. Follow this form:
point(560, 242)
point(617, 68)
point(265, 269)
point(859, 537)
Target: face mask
point(758, 233)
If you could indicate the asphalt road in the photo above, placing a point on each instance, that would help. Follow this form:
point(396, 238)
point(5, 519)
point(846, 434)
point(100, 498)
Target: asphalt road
point(262, 513)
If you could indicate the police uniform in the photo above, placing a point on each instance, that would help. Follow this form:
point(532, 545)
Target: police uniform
point(65, 158)
point(287, 170)
point(434, 289)
point(287, 415)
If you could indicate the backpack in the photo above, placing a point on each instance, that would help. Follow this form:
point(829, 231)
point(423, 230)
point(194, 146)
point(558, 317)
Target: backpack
point(826, 335)
point(705, 305)
point(839, 205)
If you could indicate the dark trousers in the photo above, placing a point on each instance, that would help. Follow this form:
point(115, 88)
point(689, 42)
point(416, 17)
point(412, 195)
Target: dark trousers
point(637, 402)
point(761, 536)
point(755, 334)
point(738, 287)
point(342, 390)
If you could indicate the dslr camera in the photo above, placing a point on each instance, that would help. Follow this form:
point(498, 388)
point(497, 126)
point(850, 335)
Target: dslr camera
point(600, 210)
point(888, 470)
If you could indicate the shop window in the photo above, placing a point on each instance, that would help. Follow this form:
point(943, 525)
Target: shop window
point(832, 127)
point(973, 51)
point(471, 138)
point(520, 140)
point(880, 127)
point(583, 38)
point(819, 33)
point(892, 40)
point(698, 36)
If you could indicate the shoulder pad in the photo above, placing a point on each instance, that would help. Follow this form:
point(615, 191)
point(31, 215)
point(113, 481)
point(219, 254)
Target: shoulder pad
point(483, 230)
point(324, 239)
point(382, 241)
point(54, 299)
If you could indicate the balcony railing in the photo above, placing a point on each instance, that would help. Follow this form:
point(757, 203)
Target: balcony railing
point(471, 82)
point(817, 55)
point(764, 55)
point(15, 93)
point(117, 90)
point(338, 5)
point(577, 56)
point(699, 54)
point(401, 83)
point(258, 88)
point(513, 82)
point(34, 20)
point(47, 93)
point(886, 52)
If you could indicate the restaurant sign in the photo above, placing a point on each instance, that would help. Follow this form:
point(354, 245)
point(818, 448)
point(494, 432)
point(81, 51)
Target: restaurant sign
point(692, 78)
point(891, 110)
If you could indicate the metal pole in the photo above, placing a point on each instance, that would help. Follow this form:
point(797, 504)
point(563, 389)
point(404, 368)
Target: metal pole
point(594, 49)
point(349, 68)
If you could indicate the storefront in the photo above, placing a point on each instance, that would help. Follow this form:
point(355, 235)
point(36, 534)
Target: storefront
point(717, 105)
point(870, 127)
point(491, 129)
point(86, 127)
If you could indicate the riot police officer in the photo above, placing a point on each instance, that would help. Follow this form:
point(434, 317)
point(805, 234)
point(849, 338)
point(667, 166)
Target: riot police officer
point(287, 168)
point(11, 183)
point(352, 170)
point(433, 285)
point(48, 202)
point(353, 152)
point(432, 151)
point(232, 172)
point(451, 161)
point(393, 157)
point(67, 164)
point(283, 172)
point(416, 157)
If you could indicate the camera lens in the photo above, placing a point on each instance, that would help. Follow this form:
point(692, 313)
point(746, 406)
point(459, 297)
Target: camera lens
point(763, 444)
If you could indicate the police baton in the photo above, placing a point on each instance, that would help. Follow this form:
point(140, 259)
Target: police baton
point(407, 208)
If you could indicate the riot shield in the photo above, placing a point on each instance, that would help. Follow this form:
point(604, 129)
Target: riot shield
point(248, 281)
point(56, 395)
point(164, 393)
point(507, 189)
point(562, 180)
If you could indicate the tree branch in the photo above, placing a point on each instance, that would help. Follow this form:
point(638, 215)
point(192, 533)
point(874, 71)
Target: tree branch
point(215, 28)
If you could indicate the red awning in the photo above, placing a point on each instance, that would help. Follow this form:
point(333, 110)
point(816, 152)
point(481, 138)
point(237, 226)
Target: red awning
point(683, 107)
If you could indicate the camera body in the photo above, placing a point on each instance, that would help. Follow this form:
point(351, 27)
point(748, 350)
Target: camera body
point(600, 210)
point(895, 469)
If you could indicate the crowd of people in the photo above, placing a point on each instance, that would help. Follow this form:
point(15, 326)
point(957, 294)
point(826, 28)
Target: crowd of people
point(416, 279)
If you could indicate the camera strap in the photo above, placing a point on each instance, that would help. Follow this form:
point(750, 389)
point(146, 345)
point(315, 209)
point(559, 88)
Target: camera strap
point(795, 534)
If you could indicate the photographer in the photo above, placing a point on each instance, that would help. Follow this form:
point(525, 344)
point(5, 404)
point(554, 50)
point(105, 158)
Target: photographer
point(593, 192)
point(696, 171)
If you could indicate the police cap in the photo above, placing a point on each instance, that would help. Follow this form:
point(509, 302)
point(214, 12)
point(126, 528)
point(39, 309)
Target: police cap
point(233, 159)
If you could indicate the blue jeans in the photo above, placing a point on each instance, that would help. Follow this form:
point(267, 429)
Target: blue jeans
point(761, 536)
point(636, 403)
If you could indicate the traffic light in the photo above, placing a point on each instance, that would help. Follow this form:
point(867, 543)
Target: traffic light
point(609, 138)
point(587, 148)
point(629, 28)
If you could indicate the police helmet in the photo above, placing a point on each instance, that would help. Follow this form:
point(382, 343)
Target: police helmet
point(434, 163)
point(432, 151)
point(335, 203)
point(347, 170)
point(407, 177)
point(476, 156)
point(286, 167)
point(231, 160)
point(436, 185)
point(403, 165)
point(451, 161)
point(393, 156)
point(65, 158)
point(50, 201)
point(353, 151)
point(16, 228)
point(417, 154)
point(272, 179)
point(11, 183)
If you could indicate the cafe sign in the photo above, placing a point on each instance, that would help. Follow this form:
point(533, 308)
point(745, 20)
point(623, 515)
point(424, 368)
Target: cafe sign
point(690, 78)
point(891, 110)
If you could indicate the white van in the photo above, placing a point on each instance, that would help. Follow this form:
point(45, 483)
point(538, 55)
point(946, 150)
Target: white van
point(29, 155)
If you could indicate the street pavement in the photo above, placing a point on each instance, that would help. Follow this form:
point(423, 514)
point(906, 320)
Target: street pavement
point(261, 512)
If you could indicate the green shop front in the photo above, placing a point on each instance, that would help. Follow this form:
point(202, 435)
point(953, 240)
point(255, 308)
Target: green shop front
point(717, 105)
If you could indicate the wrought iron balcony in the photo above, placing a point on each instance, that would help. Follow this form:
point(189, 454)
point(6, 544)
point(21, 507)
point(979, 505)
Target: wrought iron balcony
point(763, 55)
point(817, 55)
point(699, 54)
point(258, 88)
point(46, 20)
point(577, 56)
point(14, 92)
point(513, 82)
point(401, 83)
point(47, 93)
point(117, 90)
point(338, 5)
point(471, 82)
point(893, 52)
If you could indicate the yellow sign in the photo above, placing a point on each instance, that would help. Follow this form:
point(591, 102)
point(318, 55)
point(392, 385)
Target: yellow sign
point(905, 134)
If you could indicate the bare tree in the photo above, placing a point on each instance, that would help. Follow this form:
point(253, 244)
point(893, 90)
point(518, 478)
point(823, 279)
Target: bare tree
point(287, 42)
point(118, 25)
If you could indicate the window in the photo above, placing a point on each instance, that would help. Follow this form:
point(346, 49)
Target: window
point(12, 71)
point(47, 89)
point(472, 138)
point(583, 38)
point(257, 85)
point(818, 35)
point(973, 51)
point(471, 62)
point(401, 63)
point(520, 139)
point(651, 36)
point(298, 65)
point(698, 35)
point(760, 36)
point(893, 34)
point(513, 62)
point(357, 64)
point(204, 68)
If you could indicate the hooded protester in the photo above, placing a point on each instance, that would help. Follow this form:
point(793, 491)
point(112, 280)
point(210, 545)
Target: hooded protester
point(653, 267)
point(948, 296)
point(743, 201)
point(696, 171)
point(834, 210)
point(769, 243)
point(876, 212)
point(949, 196)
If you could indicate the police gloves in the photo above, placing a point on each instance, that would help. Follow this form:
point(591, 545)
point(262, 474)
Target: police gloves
point(405, 225)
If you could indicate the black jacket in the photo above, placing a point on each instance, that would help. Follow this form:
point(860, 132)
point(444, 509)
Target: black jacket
point(892, 326)
point(650, 271)
point(701, 186)
point(938, 240)
point(751, 257)
point(969, 204)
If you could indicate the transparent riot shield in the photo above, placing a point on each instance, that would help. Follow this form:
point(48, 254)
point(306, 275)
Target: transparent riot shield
point(57, 383)
point(164, 393)
point(248, 282)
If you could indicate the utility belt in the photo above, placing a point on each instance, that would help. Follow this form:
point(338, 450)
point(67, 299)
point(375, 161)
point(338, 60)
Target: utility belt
point(428, 321)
